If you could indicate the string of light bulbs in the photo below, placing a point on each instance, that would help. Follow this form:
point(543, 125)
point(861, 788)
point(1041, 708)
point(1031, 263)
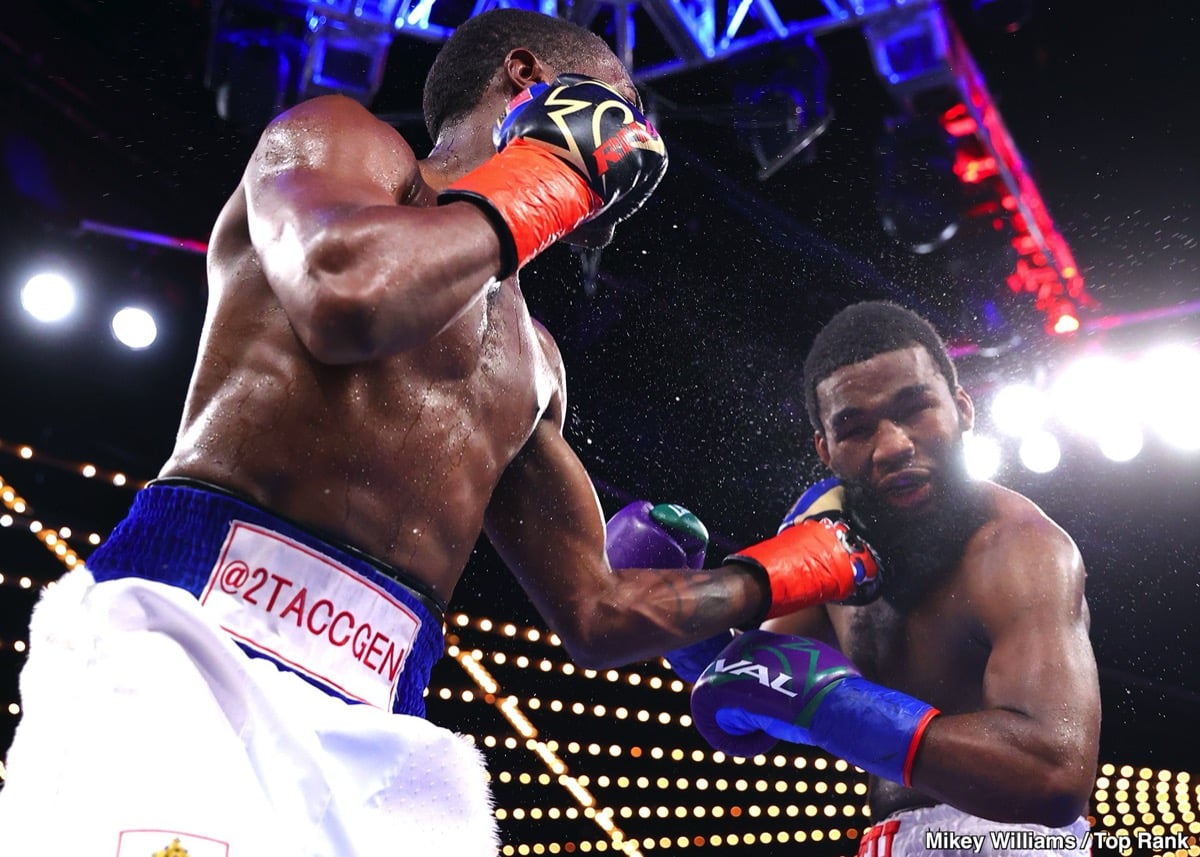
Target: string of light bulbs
point(25, 452)
point(51, 538)
point(1126, 800)
point(509, 706)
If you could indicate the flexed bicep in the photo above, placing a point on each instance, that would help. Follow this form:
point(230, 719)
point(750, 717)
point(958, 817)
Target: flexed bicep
point(1042, 664)
point(1030, 753)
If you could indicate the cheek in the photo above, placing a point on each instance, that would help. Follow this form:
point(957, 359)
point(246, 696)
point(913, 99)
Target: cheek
point(851, 461)
point(942, 437)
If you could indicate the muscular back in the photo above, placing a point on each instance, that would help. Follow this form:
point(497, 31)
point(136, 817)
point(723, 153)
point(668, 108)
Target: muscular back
point(397, 454)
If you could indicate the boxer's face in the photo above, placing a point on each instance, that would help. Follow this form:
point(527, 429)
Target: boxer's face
point(893, 426)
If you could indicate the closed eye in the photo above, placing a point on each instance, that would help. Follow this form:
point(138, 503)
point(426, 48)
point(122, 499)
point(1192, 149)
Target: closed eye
point(910, 410)
point(852, 431)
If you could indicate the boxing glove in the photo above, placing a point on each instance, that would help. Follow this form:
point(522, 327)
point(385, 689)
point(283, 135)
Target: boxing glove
point(817, 556)
point(766, 687)
point(664, 536)
point(566, 152)
point(824, 497)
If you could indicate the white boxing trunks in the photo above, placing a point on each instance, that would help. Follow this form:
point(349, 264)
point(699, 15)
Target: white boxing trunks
point(245, 700)
point(949, 832)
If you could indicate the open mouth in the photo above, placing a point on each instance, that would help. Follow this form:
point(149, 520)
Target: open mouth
point(907, 490)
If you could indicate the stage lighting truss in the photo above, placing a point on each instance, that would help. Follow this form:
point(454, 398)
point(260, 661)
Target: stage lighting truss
point(265, 55)
point(341, 46)
point(697, 32)
point(922, 59)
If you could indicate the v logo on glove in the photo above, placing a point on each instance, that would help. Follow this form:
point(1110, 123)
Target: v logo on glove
point(759, 671)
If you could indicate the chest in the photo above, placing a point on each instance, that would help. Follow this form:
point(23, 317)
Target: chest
point(936, 650)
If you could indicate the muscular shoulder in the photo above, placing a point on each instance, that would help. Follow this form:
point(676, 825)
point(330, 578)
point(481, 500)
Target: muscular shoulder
point(1021, 549)
point(1018, 520)
point(336, 134)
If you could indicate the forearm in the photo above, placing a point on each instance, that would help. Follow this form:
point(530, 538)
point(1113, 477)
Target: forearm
point(1005, 766)
point(380, 279)
point(646, 612)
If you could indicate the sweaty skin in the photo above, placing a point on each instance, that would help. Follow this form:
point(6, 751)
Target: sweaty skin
point(998, 641)
point(361, 372)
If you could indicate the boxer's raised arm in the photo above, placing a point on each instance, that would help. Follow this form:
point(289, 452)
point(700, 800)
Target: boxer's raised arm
point(359, 272)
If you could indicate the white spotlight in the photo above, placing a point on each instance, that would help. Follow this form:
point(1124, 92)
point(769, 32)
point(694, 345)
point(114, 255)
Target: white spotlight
point(1160, 366)
point(982, 455)
point(1040, 452)
point(134, 328)
point(48, 297)
point(1121, 441)
point(1171, 408)
point(1019, 409)
point(1092, 391)
point(1181, 427)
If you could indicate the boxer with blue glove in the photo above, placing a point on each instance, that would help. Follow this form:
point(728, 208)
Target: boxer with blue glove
point(968, 689)
point(642, 535)
point(765, 687)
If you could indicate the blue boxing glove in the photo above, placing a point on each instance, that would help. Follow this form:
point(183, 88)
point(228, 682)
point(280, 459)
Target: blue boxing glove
point(664, 536)
point(826, 497)
point(766, 687)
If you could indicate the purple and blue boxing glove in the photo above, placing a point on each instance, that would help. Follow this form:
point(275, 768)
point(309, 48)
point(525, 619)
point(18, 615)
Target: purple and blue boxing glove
point(642, 535)
point(765, 687)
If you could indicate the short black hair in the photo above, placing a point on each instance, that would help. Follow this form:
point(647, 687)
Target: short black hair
point(862, 331)
point(470, 58)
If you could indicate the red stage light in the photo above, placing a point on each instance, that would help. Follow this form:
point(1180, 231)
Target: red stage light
point(1061, 318)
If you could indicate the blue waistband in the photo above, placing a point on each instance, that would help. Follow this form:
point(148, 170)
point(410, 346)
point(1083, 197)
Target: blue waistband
point(174, 534)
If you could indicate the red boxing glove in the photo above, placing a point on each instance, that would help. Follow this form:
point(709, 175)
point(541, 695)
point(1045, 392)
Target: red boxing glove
point(813, 561)
point(566, 152)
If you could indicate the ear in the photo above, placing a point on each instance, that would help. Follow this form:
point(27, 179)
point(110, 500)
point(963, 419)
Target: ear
point(822, 447)
point(966, 409)
point(522, 69)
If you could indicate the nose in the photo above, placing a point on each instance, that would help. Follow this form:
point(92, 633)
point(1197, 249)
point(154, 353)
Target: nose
point(893, 446)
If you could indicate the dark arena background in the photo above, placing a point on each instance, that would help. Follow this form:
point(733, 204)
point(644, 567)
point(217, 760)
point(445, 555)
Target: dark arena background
point(1023, 173)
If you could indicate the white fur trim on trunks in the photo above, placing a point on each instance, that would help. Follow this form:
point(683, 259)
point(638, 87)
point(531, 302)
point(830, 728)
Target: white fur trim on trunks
point(144, 723)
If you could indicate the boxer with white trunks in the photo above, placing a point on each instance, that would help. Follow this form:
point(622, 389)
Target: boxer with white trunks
point(240, 668)
point(190, 687)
